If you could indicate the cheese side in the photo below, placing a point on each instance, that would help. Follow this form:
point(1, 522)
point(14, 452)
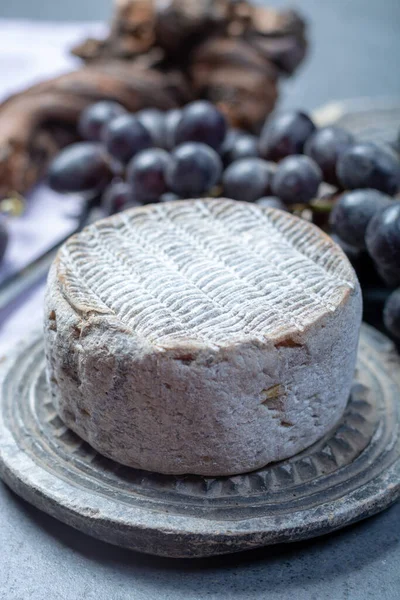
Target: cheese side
point(206, 336)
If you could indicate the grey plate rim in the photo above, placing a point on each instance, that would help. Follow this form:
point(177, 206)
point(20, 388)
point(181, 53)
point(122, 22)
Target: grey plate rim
point(330, 112)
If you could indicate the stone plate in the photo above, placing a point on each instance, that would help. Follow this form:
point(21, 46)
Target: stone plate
point(352, 473)
point(369, 119)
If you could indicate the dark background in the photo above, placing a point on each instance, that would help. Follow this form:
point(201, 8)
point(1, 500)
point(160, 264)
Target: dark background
point(355, 52)
point(355, 44)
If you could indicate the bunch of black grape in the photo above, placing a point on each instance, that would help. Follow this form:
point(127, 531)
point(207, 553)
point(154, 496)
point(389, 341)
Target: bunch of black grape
point(191, 152)
point(184, 153)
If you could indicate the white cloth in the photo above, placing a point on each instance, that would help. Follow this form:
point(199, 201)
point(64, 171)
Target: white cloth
point(31, 52)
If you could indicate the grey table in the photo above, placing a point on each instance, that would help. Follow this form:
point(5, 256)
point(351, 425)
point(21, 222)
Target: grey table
point(356, 49)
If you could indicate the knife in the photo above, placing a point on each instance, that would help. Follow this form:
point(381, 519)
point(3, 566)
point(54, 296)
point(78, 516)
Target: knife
point(25, 279)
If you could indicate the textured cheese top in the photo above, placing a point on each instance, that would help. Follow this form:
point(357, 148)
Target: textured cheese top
point(206, 271)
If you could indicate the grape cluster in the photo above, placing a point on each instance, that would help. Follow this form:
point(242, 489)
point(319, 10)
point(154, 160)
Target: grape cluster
point(151, 156)
point(367, 223)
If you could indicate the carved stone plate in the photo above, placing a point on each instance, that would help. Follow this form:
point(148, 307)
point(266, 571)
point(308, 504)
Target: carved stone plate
point(352, 473)
point(369, 119)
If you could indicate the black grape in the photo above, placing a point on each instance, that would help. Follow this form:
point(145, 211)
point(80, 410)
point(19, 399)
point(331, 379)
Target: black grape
point(146, 173)
point(391, 314)
point(125, 136)
point(81, 167)
point(93, 118)
point(202, 122)
point(383, 243)
point(247, 179)
point(154, 121)
point(367, 165)
point(325, 146)
point(296, 180)
point(172, 118)
point(225, 150)
point(352, 213)
point(285, 134)
point(194, 169)
point(243, 145)
point(118, 196)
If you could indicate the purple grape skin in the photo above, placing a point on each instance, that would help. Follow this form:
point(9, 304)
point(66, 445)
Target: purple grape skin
point(383, 242)
point(118, 196)
point(284, 135)
point(352, 213)
point(193, 170)
point(391, 314)
point(367, 165)
point(146, 173)
point(172, 118)
point(153, 120)
point(272, 202)
point(325, 146)
point(230, 138)
point(93, 118)
point(247, 179)
point(296, 180)
point(201, 122)
point(3, 239)
point(81, 167)
point(352, 253)
point(244, 145)
point(125, 136)
point(117, 167)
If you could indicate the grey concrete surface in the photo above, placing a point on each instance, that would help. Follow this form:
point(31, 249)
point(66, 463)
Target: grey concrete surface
point(356, 50)
point(56, 10)
point(45, 560)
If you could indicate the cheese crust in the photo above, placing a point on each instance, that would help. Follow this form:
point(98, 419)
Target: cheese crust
point(203, 336)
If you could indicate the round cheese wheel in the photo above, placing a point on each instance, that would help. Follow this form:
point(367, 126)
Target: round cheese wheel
point(202, 336)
